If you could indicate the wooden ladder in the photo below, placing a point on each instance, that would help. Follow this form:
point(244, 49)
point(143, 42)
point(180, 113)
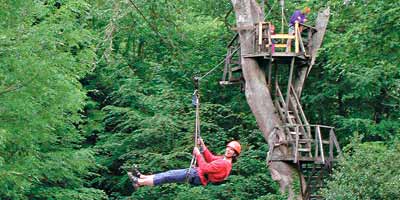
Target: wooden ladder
point(297, 129)
point(232, 68)
point(315, 175)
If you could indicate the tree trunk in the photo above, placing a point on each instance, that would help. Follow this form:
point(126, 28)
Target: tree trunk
point(258, 96)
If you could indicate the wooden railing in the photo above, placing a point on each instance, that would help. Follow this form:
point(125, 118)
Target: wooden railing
point(322, 144)
point(265, 39)
point(292, 104)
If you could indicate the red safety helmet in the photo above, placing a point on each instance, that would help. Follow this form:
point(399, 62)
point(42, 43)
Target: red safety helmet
point(235, 145)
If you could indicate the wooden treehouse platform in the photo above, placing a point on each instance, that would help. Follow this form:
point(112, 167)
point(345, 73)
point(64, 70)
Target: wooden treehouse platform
point(311, 148)
point(281, 57)
point(271, 48)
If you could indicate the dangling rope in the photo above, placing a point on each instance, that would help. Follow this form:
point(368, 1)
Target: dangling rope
point(269, 12)
point(282, 2)
point(197, 136)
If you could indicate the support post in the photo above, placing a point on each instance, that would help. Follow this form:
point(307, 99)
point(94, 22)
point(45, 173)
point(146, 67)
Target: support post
point(330, 146)
point(260, 34)
point(288, 88)
point(270, 73)
point(316, 144)
point(320, 145)
point(296, 37)
point(296, 153)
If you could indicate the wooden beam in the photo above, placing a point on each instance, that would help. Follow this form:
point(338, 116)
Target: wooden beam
point(296, 155)
point(280, 45)
point(282, 36)
point(288, 87)
point(260, 34)
point(296, 31)
point(321, 145)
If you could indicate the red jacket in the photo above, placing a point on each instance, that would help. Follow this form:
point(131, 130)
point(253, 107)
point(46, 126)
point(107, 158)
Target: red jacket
point(214, 167)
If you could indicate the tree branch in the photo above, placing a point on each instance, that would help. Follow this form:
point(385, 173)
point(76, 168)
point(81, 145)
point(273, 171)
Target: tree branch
point(166, 41)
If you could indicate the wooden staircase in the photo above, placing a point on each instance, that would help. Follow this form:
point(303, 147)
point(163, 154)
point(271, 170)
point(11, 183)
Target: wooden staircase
point(292, 115)
point(315, 175)
point(310, 150)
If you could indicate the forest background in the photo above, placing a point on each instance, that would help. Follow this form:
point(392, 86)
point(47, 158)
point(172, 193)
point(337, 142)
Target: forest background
point(90, 87)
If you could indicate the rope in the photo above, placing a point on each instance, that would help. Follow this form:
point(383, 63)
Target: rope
point(196, 95)
point(223, 60)
point(269, 12)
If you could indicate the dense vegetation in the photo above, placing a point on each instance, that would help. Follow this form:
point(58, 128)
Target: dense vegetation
point(90, 87)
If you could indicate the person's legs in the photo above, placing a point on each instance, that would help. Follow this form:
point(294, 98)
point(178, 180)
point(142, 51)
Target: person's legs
point(289, 41)
point(172, 176)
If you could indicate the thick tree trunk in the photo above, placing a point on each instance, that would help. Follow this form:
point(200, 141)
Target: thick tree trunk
point(257, 93)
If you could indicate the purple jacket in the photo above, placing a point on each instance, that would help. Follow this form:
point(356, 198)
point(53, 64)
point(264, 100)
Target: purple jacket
point(297, 16)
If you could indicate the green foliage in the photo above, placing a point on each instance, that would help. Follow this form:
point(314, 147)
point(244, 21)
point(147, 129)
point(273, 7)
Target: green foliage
point(367, 171)
point(90, 87)
point(356, 81)
point(45, 51)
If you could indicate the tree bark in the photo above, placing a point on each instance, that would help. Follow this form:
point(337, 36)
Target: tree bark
point(258, 96)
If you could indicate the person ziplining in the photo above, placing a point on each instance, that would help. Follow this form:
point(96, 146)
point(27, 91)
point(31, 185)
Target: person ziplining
point(211, 168)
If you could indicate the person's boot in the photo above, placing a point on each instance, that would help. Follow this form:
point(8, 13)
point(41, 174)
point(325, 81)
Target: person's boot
point(135, 171)
point(134, 180)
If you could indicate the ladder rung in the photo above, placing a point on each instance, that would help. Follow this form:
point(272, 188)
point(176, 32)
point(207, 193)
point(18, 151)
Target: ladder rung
point(303, 141)
point(229, 82)
point(234, 69)
point(294, 133)
point(304, 149)
point(282, 36)
point(280, 45)
point(306, 140)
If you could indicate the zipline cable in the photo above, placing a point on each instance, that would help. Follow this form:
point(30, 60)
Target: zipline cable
point(216, 66)
point(223, 60)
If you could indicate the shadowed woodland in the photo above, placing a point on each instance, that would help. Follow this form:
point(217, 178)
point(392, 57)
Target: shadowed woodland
point(90, 87)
